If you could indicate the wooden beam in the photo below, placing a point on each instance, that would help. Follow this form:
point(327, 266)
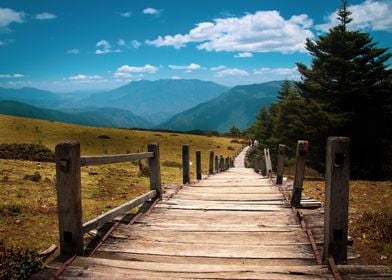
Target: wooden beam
point(302, 150)
point(280, 165)
point(120, 210)
point(155, 169)
point(198, 165)
point(108, 159)
point(69, 200)
point(336, 199)
point(185, 165)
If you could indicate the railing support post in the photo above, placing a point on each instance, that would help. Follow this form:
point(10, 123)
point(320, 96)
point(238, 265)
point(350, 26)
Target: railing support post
point(217, 164)
point(336, 199)
point(198, 165)
point(221, 163)
point(69, 201)
point(155, 169)
point(211, 167)
point(280, 164)
point(268, 162)
point(185, 165)
point(302, 150)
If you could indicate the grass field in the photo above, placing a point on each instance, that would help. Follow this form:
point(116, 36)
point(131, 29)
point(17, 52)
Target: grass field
point(28, 212)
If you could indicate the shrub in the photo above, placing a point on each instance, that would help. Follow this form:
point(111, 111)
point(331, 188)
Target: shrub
point(171, 163)
point(10, 210)
point(378, 224)
point(33, 177)
point(33, 152)
point(230, 148)
point(103, 136)
point(17, 263)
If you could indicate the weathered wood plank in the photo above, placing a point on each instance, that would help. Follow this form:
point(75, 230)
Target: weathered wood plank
point(120, 210)
point(108, 159)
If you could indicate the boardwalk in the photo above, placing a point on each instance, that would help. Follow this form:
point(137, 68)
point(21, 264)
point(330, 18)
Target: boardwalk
point(234, 225)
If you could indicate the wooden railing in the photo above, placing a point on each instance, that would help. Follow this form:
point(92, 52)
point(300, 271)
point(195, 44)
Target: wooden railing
point(68, 184)
point(337, 175)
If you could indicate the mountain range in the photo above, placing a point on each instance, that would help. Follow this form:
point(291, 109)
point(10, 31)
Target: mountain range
point(180, 105)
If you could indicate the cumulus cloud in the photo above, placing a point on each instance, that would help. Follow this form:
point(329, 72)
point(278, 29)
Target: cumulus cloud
point(121, 42)
point(104, 47)
point(126, 14)
point(231, 72)
point(150, 11)
point(8, 16)
point(73, 51)
point(244, 55)
point(45, 16)
point(11, 76)
point(84, 78)
point(277, 73)
point(136, 44)
point(263, 31)
point(369, 15)
point(188, 68)
point(175, 78)
point(126, 71)
point(131, 44)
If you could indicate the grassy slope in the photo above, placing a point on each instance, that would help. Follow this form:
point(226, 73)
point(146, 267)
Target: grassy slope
point(35, 223)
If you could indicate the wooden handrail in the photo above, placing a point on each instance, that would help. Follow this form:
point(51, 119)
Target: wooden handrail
point(118, 211)
point(108, 159)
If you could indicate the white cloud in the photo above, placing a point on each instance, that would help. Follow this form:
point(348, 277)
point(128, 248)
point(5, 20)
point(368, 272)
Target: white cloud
point(45, 16)
point(175, 78)
point(121, 42)
point(127, 72)
point(150, 11)
point(126, 14)
point(73, 51)
point(231, 72)
point(244, 55)
point(369, 15)
point(11, 76)
point(84, 78)
point(104, 47)
point(8, 16)
point(188, 68)
point(136, 44)
point(263, 31)
point(217, 68)
point(277, 73)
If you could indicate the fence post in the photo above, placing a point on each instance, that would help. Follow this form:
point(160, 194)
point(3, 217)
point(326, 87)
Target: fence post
point(185, 165)
point(69, 201)
point(302, 150)
point(198, 165)
point(216, 164)
point(336, 199)
point(155, 169)
point(211, 168)
point(221, 163)
point(280, 164)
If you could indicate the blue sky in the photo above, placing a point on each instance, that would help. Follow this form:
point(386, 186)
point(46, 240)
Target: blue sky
point(67, 45)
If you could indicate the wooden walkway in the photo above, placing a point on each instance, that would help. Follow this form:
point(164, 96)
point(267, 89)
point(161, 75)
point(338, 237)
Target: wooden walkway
point(234, 225)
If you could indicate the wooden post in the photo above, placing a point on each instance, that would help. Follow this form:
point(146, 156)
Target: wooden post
point(185, 165)
point(198, 165)
point(280, 164)
point(336, 199)
point(155, 169)
point(211, 168)
point(221, 163)
point(268, 162)
point(227, 164)
point(302, 150)
point(216, 164)
point(69, 200)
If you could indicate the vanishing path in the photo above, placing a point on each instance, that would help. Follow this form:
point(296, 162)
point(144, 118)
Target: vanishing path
point(233, 225)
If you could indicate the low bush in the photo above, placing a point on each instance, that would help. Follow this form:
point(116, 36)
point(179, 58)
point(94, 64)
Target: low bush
point(378, 224)
point(171, 163)
point(33, 152)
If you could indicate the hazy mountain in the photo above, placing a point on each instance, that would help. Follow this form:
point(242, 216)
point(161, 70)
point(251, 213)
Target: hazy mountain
point(103, 117)
point(239, 107)
point(31, 96)
point(158, 100)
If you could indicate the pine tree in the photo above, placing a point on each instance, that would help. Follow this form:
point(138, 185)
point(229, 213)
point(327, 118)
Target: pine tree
point(349, 81)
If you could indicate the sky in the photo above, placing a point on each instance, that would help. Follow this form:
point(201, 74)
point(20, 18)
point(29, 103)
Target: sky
point(67, 46)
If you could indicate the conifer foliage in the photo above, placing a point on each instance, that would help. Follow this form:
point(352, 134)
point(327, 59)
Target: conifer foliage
point(345, 92)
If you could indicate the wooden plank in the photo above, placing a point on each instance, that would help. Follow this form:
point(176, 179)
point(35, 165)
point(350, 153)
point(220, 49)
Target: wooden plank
point(230, 197)
point(120, 210)
point(213, 250)
point(108, 159)
point(220, 207)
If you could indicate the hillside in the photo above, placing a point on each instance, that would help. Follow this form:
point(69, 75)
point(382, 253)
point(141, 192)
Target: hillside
point(238, 106)
point(103, 117)
point(31, 96)
point(157, 100)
